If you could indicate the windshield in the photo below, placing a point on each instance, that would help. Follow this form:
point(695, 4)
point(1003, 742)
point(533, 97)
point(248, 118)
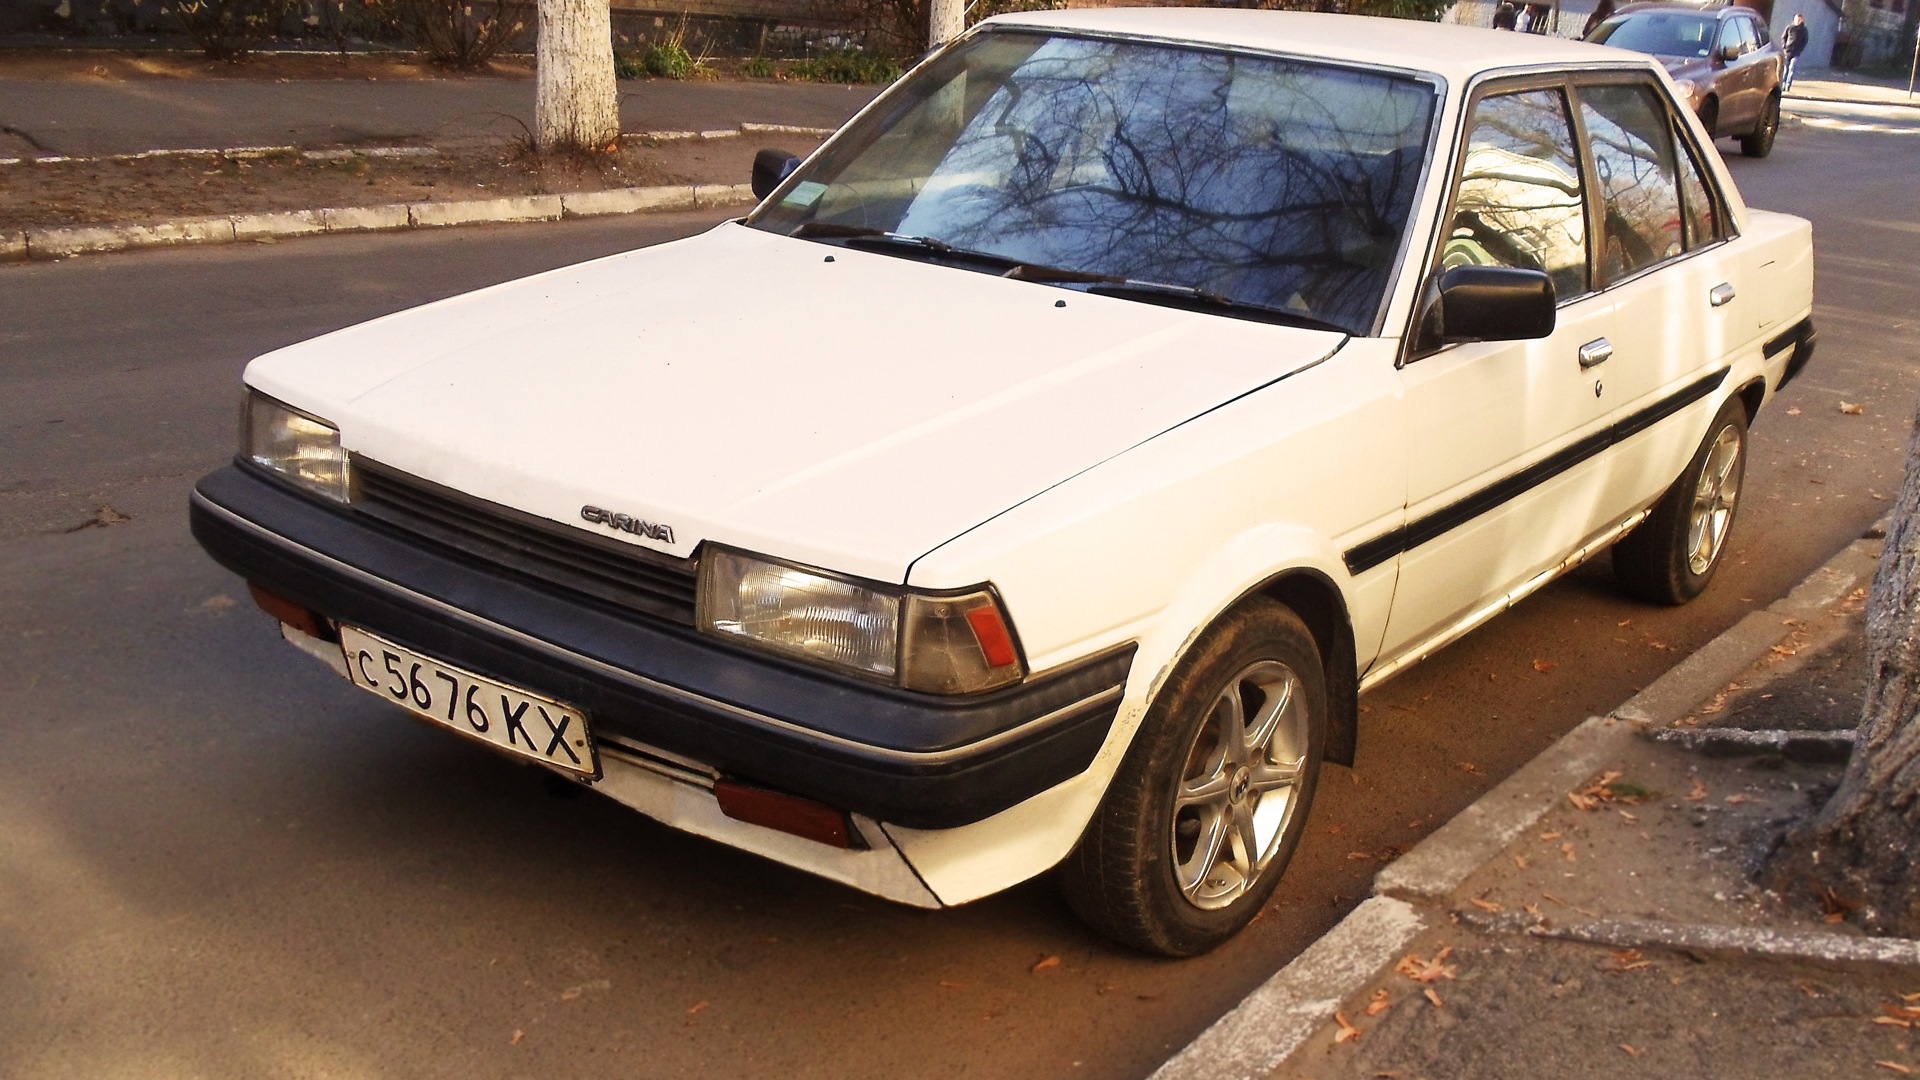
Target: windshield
point(1273, 184)
point(1662, 33)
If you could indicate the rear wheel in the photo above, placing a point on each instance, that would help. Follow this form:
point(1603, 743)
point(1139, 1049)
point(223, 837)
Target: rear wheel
point(1760, 143)
point(1673, 554)
point(1208, 806)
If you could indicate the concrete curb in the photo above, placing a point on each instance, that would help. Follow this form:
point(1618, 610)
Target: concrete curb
point(1272, 1022)
point(62, 242)
point(1257, 1036)
point(1735, 942)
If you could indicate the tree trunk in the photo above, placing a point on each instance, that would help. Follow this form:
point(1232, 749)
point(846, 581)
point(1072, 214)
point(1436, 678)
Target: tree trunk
point(575, 106)
point(945, 20)
point(1862, 844)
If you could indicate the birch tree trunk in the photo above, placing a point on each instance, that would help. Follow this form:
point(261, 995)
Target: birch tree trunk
point(945, 20)
point(575, 106)
point(1864, 844)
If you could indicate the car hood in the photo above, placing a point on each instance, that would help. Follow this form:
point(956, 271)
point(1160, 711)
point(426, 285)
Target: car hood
point(836, 407)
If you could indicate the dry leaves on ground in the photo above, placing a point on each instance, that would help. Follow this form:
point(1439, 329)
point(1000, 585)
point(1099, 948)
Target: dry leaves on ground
point(1895, 1066)
point(1381, 1002)
point(1486, 905)
point(1544, 666)
point(1434, 997)
point(1046, 964)
point(1347, 1031)
point(1625, 960)
point(1850, 409)
point(1699, 792)
point(1609, 788)
point(1427, 971)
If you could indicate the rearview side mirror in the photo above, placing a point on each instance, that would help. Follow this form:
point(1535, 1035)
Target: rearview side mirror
point(770, 167)
point(1486, 303)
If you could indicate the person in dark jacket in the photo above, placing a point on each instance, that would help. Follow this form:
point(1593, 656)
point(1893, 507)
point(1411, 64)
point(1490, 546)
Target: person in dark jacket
point(1506, 15)
point(1793, 42)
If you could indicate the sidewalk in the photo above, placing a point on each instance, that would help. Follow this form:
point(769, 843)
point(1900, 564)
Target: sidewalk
point(1847, 88)
point(1594, 915)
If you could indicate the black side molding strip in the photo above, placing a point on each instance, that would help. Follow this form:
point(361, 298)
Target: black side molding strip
point(1800, 338)
point(1365, 556)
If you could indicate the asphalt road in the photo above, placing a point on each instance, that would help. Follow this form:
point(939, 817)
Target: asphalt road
point(94, 118)
point(216, 860)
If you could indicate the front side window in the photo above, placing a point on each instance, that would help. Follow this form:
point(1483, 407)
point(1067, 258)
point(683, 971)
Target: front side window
point(1696, 200)
point(1246, 182)
point(1634, 171)
point(1520, 202)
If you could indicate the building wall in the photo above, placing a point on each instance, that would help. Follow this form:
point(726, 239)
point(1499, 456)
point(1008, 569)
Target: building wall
point(1823, 24)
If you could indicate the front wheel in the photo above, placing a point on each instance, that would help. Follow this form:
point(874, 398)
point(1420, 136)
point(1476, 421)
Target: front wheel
point(1671, 556)
point(1760, 143)
point(1208, 806)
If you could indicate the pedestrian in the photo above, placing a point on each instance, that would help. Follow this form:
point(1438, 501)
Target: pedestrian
point(1793, 42)
point(1600, 13)
point(1506, 15)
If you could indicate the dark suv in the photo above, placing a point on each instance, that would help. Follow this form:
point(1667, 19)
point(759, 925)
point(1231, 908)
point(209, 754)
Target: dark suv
point(1721, 58)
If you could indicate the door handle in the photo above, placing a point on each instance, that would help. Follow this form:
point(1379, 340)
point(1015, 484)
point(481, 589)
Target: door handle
point(1595, 352)
point(1721, 296)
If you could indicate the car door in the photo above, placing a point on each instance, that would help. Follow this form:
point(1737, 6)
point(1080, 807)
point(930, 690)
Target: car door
point(1674, 281)
point(1504, 437)
point(1739, 77)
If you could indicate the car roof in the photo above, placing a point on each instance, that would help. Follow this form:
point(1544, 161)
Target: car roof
point(1711, 11)
point(1457, 53)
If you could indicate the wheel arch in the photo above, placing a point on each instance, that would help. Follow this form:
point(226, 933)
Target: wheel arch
point(1752, 394)
point(1314, 597)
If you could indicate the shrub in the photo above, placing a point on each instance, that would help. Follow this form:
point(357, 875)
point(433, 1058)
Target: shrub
point(667, 60)
point(758, 67)
point(848, 66)
point(228, 29)
point(460, 33)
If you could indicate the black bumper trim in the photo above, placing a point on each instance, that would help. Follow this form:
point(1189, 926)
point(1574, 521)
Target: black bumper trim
point(1800, 337)
point(911, 759)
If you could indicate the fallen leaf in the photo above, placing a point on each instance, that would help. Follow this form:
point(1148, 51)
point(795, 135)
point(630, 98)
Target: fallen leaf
point(1626, 815)
point(698, 1008)
point(1582, 802)
point(1736, 800)
point(1531, 909)
point(1520, 861)
point(1699, 791)
point(102, 518)
point(1382, 1001)
point(1469, 767)
point(1631, 1052)
point(949, 984)
point(1910, 998)
point(1794, 411)
point(517, 1036)
point(1486, 905)
point(1891, 1022)
point(1624, 622)
point(1625, 960)
point(1544, 666)
point(1433, 997)
point(1046, 964)
point(1567, 850)
point(1336, 830)
point(1895, 1066)
point(1426, 971)
point(1555, 835)
point(1347, 1031)
point(1900, 1012)
point(1850, 409)
point(572, 993)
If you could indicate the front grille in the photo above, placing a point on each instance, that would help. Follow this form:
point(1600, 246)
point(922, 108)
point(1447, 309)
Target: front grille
point(573, 559)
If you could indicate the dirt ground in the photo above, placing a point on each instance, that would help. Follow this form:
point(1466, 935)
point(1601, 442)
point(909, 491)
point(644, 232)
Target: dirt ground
point(155, 189)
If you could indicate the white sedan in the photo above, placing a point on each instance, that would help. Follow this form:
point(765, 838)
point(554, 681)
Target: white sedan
point(1037, 477)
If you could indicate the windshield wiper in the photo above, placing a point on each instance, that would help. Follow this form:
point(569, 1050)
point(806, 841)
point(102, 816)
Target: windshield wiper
point(1161, 292)
point(868, 236)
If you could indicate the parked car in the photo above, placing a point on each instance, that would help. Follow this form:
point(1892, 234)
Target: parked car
point(1722, 59)
point(1037, 477)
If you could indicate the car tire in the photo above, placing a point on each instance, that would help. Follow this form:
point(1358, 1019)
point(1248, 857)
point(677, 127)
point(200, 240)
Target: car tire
point(1673, 554)
point(1710, 116)
point(1760, 143)
point(1207, 808)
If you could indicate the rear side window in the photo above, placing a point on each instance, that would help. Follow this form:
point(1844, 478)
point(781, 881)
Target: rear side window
point(1520, 200)
point(1634, 170)
point(1759, 31)
point(1698, 209)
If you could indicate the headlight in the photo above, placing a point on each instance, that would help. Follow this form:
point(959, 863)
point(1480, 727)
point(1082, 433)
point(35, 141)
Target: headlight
point(304, 449)
point(1688, 89)
point(939, 643)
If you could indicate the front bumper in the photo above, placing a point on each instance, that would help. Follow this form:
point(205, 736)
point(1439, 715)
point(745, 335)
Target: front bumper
point(911, 759)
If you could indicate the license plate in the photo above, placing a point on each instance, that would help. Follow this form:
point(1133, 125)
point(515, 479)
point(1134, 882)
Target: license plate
point(527, 725)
